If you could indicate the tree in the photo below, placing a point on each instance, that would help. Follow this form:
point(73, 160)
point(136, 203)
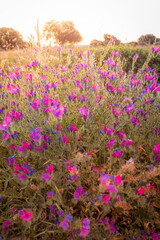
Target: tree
point(107, 38)
point(96, 43)
point(148, 39)
point(10, 39)
point(61, 32)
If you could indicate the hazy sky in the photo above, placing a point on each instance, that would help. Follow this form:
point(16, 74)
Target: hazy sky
point(126, 19)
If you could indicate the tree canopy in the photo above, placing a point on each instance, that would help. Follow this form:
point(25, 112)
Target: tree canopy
point(148, 39)
point(107, 38)
point(61, 32)
point(10, 39)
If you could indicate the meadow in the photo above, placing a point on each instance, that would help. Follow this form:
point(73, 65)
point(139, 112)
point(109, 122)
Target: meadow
point(79, 144)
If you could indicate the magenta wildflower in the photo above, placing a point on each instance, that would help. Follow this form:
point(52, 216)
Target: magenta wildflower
point(111, 229)
point(85, 223)
point(5, 136)
point(117, 112)
point(141, 191)
point(35, 104)
point(58, 127)
point(73, 128)
point(64, 224)
point(118, 180)
point(111, 142)
point(127, 143)
point(21, 176)
point(49, 168)
point(27, 217)
point(104, 178)
point(84, 232)
point(117, 154)
point(84, 111)
point(106, 199)
point(4, 125)
point(21, 149)
point(156, 149)
point(118, 198)
point(111, 188)
point(7, 225)
point(106, 221)
point(45, 176)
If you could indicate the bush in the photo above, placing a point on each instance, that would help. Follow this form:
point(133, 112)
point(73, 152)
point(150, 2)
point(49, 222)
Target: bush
point(10, 39)
point(148, 39)
point(79, 149)
point(127, 53)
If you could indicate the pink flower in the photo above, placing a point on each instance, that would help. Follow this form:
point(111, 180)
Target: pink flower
point(106, 221)
point(4, 125)
point(35, 104)
point(104, 178)
point(58, 127)
point(85, 223)
point(84, 111)
point(65, 139)
point(45, 176)
point(106, 199)
point(135, 121)
point(72, 168)
point(79, 54)
point(105, 128)
point(65, 225)
point(118, 180)
point(21, 149)
point(111, 142)
point(76, 195)
point(73, 128)
point(12, 146)
point(117, 154)
point(5, 136)
point(156, 149)
point(49, 168)
point(84, 232)
point(111, 188)
point(21, 176)
point(127, 143)
point(118, 198)
point(27, 216)
point(141, 191)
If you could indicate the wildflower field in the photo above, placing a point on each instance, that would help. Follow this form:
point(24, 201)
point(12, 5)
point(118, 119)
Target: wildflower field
point(79, 147)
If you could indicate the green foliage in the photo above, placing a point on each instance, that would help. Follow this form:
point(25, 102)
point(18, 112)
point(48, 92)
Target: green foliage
point(61, 32)
point(87, 151)
point(10, 39)
point(127, 54)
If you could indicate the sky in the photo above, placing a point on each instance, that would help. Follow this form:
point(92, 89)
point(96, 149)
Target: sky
point(125, 19)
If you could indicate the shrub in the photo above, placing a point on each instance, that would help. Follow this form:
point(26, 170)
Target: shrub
point(80, 149)
point(148, 39)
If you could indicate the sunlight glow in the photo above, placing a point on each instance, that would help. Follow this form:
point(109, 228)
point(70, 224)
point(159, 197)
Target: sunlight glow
point(126, 19)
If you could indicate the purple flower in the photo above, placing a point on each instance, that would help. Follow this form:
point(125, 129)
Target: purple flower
point(104, 178)
point(76, 195)
point(85, 223)
point(65, 225)
point(80, 190)
point(68, 218)
point(21, 176)
point(60, 213)
point(84, 232)
point(45, 176)
point(106, 221)
point(111, 188)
